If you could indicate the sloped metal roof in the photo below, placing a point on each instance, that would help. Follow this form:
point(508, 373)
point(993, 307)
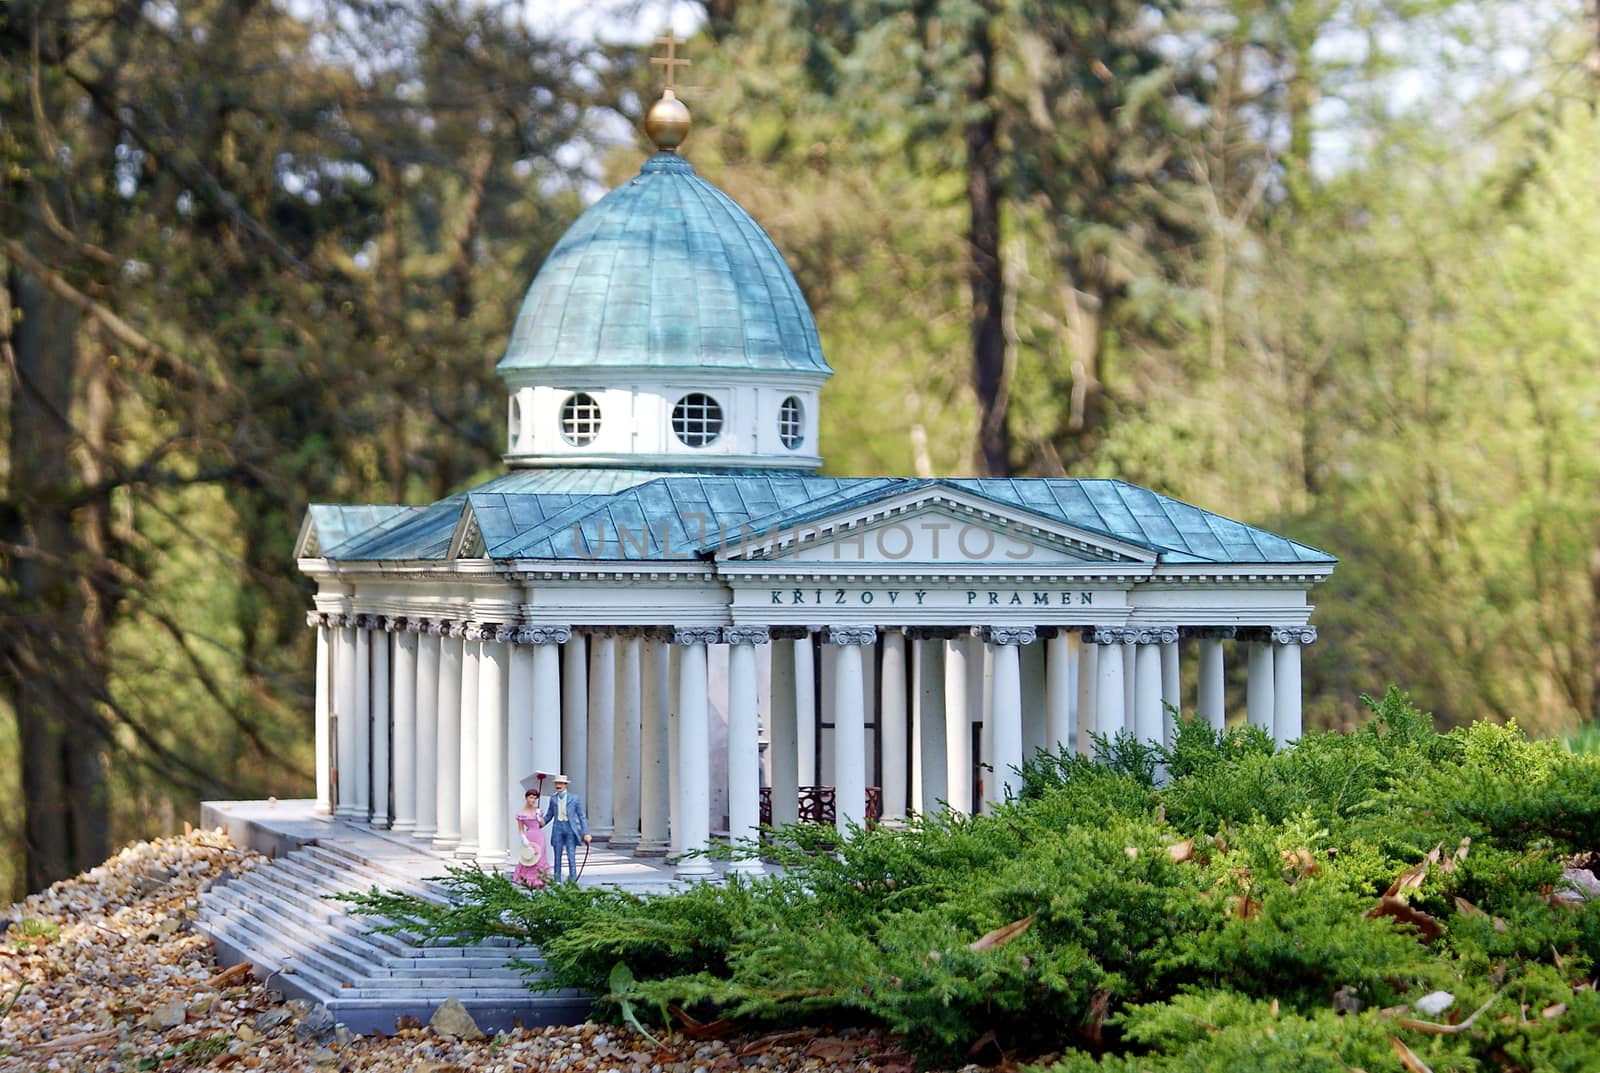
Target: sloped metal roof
point(665, 272)
point(641, 515)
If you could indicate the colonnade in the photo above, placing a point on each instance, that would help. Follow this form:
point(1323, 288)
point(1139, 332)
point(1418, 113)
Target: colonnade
point(429, 727)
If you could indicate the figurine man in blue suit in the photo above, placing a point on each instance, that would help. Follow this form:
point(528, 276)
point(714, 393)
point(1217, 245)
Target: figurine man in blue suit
point(564, 819)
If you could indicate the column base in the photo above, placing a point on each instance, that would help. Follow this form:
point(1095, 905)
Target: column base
point(322, 808)
point(379, 825)
point(694, 868)
point(747, 868)
point(651, 848)
point(601, 834)
point(444, 842)
point(623, 842)
point(404, 827)
point(425, 834)
point(465, 851)
point(349, 812)
point(492, 858)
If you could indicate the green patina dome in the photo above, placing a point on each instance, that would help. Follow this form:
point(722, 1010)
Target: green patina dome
point(665, 272)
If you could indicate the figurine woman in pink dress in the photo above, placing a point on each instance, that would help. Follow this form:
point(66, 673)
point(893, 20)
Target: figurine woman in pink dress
point(533, 859)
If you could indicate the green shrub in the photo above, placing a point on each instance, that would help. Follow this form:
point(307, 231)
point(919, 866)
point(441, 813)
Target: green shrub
point(1221, 920)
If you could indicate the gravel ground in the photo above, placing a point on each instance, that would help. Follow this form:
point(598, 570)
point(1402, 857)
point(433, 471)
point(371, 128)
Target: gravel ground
point(100, 973)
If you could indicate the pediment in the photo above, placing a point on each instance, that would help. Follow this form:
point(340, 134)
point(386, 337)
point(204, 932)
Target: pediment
point(467, 540)
point(941, 526)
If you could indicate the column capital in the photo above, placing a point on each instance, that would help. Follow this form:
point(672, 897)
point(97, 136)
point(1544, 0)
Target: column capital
point(850, 635)
point(316, 618)
point(1211, 633)
point(1150, 635)
point(541, 635)
point(1107, 635)
point(746, 635)
point(1009, 635)
point(391, 623)
point(1294, 635)
point(696, 635)
point(455, 630)
point(365, 622)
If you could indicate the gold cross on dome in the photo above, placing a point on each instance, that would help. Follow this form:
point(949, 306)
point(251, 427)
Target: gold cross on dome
point(670, 61)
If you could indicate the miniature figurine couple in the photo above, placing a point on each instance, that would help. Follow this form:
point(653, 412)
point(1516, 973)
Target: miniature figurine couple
point(568, 825)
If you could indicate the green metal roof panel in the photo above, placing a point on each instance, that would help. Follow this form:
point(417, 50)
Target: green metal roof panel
point(665, 271)
point(645, 515)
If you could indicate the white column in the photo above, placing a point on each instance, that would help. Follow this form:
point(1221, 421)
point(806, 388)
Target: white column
point(323, 711)
point(805, 711)
point(404, 754)
point(519, 759)
point(892, 718)
point(675, 789)
point(361, 807)
point(1110, 709)
point(575, 708)
point(492, 740)
point(382, 692)
point(602, 733)
point(1005, 705)
point(655, 703)
point(784, 747)
point(1259, 700)
point(1287, 715)
point(630, 717)
point(429, 638)
point(744, 750)
point(694, 749)
point(1212, 700)
point(933, 789)
point(1061, 660)
point(849, 725)
point(546, 644)
point(980, 676)
point(447, 761)
point(1171, 683)
point(1130, 681)
point(1088, 680)
point(467, 766)
point(958, 725)
point(1035, 699)
point(344, 718)
point(1147, 726)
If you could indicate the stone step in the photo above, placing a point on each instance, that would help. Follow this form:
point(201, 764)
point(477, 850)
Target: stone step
point(278, 917)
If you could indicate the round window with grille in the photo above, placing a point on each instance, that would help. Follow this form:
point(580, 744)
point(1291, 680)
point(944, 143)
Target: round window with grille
point(791, 430)
point(580, 419)
point(697, 420)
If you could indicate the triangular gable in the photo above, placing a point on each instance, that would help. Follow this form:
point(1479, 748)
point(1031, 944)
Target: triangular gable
point(467, 540)
point(927, 522)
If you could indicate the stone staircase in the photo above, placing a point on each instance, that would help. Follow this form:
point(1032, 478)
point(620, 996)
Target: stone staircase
point(278, 918)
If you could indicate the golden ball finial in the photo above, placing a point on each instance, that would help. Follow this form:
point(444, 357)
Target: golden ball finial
point(667, 122)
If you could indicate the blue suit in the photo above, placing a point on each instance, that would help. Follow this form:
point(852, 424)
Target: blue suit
point(566, 834)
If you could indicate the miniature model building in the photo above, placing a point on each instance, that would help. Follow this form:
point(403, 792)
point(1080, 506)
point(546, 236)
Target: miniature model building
point(662, 597)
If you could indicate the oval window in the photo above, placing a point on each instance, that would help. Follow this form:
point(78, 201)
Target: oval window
point(580, 419)
point(697, 419)
point(791, 427)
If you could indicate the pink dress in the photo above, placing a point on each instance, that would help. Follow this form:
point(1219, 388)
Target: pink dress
point(533, 861)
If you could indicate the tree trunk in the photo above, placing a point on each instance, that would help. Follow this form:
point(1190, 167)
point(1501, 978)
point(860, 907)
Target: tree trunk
point(985, 273)
point(52, 677)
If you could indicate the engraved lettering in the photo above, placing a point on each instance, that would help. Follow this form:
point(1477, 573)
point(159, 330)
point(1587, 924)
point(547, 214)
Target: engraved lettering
point(919, 596)
point(866, 597)
point(1041, 599)
point(894, 594)
point(994, 598)
point(1016, 598)
point(935, 528)
point(838, 596)
point(777, 597)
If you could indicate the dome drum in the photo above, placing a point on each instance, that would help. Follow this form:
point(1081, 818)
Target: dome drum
point(644, 420)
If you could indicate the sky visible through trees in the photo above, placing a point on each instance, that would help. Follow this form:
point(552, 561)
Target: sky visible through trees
point(1329, 266)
